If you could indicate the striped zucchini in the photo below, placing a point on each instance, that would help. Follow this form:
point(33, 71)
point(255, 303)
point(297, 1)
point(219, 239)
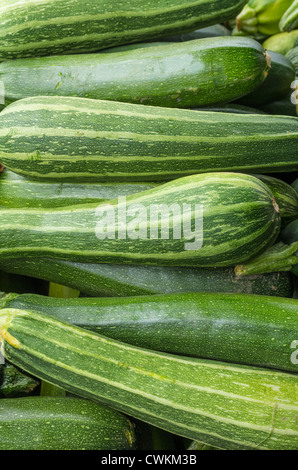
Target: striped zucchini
point(289, 20)
point(214, 219)
point(52, 423)
point(239, 328)
point(285, 195)
point(292, 55)
point(277, 85)
point(145, 74)
point(119, 281)
point(216, 403)
point(65, 138)
point(18, 192)
point(76, 26)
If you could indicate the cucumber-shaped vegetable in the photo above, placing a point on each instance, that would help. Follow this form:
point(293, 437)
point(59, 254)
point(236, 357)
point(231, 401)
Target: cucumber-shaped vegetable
point(224, 405)
point(65, 138)
point(119, 281)
point(289, 20)
point(277, 85)
point(207, 71)
point(77, 26)
point(14, 383)
point(281, 42)
point(17, 191)
point(55, 423)
point(240, 328)
point(213, 219)
point(285, 195)
point(213, 31)
point(262, 16)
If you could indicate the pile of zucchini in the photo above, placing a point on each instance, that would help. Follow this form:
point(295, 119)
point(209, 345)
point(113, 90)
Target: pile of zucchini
point(149, 225)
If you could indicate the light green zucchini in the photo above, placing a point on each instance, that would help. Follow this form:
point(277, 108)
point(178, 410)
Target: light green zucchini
point(208, 220)
point(223, 405)
point(281, 42)
point(179, 75)
point(76, 26)
point(53, 423)
point(65, 138)
point(239, 328)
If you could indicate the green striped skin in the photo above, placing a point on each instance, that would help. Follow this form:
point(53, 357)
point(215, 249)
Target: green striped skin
point(239, 328)
point(17, 192)
point(292, 55)
point(277, 84)
point(220, 404)
point(178, 75)
point(52, 423)
point(289, 235)
point(65, 138)
point(289, 20)
point(48, 27)
point(121, 281)
point(285, 195)
point(240, 219)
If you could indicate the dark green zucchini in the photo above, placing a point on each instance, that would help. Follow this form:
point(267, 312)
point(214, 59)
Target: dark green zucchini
point(232, 108)
point(63, 138)
point(68, 423)
point(277, 84)
point(14, 383)
point(17, 191)
point(119, 281)
point(283, 107)
point(180, 75)
point(77, 26)
point(229, 327)
point(213, 31)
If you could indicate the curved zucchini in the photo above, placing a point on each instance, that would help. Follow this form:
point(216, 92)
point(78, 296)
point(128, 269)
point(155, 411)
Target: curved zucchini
point(53, 423)
point(216, 403)
point(145, 75)
point(236, 328)
point(64, 138)
point(277, 85)
point(18, 192)
point(120, 281)
point(77, 26)
point(214, 219)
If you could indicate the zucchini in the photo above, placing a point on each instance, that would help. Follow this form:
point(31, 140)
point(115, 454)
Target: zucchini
point(65, 138)
point(14, 383)
point(292, 55)
point(217, 219)
point(18, 192)
point(224, 405)
point(285, 195)
point(145, 74)
point(277, 85)
point(68, 423)
point(120, 281)
point(239, 328)
point(232, 108)
point(213, 31)
point(77, 26)
point(289, 20)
